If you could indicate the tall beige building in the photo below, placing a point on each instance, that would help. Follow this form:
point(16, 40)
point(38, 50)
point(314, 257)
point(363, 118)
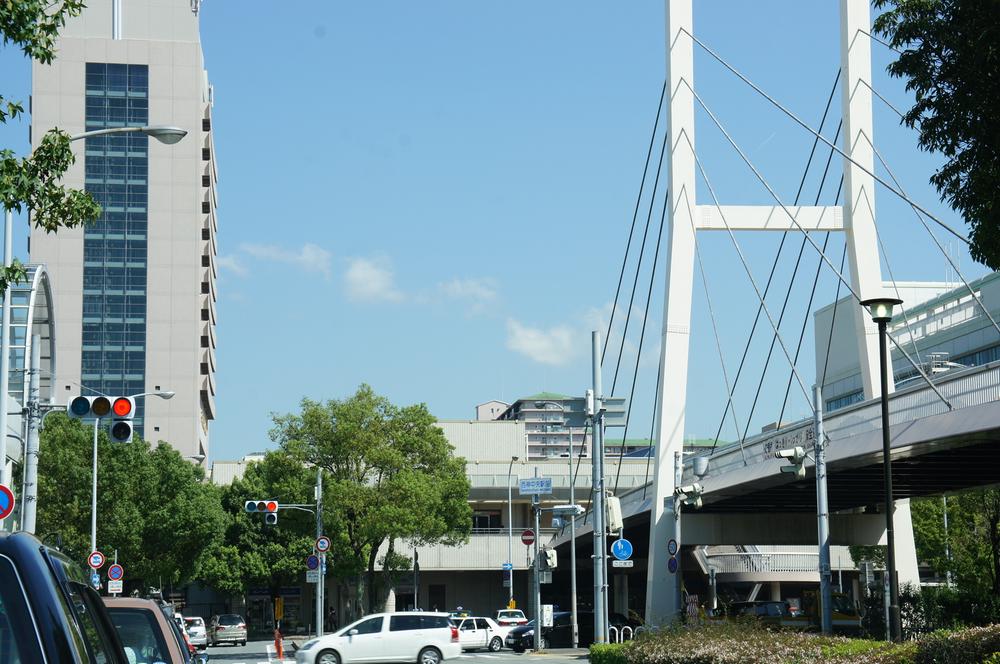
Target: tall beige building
point(135, 292)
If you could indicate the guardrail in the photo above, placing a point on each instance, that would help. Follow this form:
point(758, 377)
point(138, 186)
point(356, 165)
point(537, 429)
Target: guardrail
point(749, 563)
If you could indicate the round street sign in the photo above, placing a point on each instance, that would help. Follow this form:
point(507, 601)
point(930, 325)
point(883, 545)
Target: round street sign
point(528, 537)
point(621, 549)
point(672, 565)
point(323, 544)
point(312, 562)
point(116, 572)
point(6, 501)
point(96, 560)
point(672, 547)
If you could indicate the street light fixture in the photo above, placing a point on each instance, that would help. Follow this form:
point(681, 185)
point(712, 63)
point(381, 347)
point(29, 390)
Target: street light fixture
point(880, 309)
point(163, 133)
point(574, 629)
point(510, 533)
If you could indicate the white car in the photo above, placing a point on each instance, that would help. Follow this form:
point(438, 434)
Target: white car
point(475, 633)
point(196, 631)
point(414, 637)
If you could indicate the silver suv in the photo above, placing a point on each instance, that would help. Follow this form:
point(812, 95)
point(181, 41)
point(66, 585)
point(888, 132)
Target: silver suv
point(228, 627)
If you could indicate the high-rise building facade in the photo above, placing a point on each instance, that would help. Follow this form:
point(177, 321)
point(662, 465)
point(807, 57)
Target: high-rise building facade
point(135, 291)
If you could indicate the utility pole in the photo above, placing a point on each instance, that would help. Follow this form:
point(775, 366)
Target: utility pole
point(822, 517)
point(597, 482)
point(30, 510)
point(538, 581)
point(321, 585)
point(572, 540)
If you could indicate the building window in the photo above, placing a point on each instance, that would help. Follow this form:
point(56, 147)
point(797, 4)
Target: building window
point(204, 341)
point(206, 234)
point(204, 288)
point(844, 401)
point(206, 207)
point(206, 181)
point(206, 124)
point(206, 261)
point(204, 314)
point(486, 520)
point(204, 368)
point(206, 154)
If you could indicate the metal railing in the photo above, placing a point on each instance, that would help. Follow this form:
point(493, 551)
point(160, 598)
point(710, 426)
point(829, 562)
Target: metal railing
point(753, 563)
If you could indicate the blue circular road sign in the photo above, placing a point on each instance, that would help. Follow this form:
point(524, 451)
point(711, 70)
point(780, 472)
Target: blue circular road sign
point(672, 565)
point(312, 562)
point(621, 549)
point(116, 572)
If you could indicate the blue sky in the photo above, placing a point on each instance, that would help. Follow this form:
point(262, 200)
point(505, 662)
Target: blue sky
point(434, 197)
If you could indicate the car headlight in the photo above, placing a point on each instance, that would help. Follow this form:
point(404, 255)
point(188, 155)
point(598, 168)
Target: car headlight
point(309, 644)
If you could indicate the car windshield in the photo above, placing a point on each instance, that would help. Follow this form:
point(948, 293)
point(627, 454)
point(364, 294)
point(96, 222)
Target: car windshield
point(141, 634)
point(230, 619)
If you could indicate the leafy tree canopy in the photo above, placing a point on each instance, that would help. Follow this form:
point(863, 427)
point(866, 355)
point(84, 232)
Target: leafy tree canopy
point(32, 182)
point(391, 475)
point(153, 506)
point(950, 59)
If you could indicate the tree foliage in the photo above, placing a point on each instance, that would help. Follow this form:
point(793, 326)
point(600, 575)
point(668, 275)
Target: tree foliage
point(950, 59)
point(390, 475)
point(32, 182)
point(152, 506)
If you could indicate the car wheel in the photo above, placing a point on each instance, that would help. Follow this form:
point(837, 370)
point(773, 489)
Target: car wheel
point(243, 643)
point(429, 656)
point(496, 644)
point(328, 657)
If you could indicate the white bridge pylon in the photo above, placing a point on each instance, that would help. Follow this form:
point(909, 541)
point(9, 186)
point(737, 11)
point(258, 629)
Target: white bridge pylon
point(855, 217)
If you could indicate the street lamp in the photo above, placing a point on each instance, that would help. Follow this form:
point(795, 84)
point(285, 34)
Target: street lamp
point(572, 522)
point(880, 309)
point(510, 533)
point(163, 133)
point(93, 488)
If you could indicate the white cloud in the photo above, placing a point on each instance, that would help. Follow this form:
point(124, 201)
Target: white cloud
point(371, 280)
point(554, 346)
point(479, 293)
point(310, 257)
point(232, 264)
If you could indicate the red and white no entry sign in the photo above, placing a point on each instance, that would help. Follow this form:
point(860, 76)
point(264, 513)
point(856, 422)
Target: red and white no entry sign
point(6, 502)
point(528, 537)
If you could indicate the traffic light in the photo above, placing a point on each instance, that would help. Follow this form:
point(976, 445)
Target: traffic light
point(80, 407)
point(549, 559)
point(689, 494)
point(269, 508)
point(613, 511)
point(797, 456)
point(122, 412)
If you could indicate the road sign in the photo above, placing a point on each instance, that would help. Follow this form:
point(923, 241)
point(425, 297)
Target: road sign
point(545, 576)
point(312, 562)
point(323, 544)
point(672, 547)
point(546, 615)
point(96, 560)
point(535, 486)
point(116, 572)
point(621, 549)
point(672, 565)
point(6, 501)
point(506, 583)
point(528, 537)
point(508, 566)
point(115, 587)
point(95, 580)
point(312, 576)
point(622, 563)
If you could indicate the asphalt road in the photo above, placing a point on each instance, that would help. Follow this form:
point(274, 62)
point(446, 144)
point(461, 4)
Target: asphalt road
point(262, 652)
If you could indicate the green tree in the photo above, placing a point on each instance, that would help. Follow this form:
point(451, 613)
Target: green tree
point(390, 475)
point(32, 182)
point(255, 554)
point(153, 506)
point(950, 59)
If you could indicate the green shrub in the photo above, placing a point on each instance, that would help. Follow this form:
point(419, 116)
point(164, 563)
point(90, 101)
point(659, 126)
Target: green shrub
point(968, 645)
point(608, 653)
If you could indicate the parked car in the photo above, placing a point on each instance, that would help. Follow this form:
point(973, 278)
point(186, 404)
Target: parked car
point(405, 636)
point(72, 624)
point(146, 633)
point(559, 635)
point(228, 627)
point(196, 631)
point(510, 617)
point(459, 613)
point(475, 633)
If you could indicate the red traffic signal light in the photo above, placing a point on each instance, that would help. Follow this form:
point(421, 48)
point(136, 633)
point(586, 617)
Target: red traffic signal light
point(122, 407)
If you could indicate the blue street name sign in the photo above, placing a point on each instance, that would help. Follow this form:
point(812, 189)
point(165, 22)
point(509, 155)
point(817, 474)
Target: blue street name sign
point(621, 549)
point(508, 566)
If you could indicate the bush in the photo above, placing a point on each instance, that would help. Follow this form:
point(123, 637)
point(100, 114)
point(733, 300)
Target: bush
point(968, 645)
point(608, 653)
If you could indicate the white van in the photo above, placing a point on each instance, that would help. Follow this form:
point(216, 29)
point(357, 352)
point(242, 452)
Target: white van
point(414, 637)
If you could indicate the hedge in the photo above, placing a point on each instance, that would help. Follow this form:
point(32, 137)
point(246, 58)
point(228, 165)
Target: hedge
point(742, 643)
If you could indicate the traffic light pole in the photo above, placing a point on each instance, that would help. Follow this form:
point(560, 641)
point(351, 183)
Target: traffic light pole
point(93, 492)
point(5, 347)
point(321, 585)
point(538, 576)
point(597, 482)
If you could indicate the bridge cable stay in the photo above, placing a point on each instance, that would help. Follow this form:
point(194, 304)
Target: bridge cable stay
point(635, 215)
point(884, 43)
point(576, 473)
point(638, 265)
point(937, 242)
point(833, 319)
point(642, 333)
point(795, 222)
point(774, 265)
point(652, 425)
point(743, 261)
point(805, 126)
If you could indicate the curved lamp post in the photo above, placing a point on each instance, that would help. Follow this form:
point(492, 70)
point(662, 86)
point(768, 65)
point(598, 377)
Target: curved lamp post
point(880, 309)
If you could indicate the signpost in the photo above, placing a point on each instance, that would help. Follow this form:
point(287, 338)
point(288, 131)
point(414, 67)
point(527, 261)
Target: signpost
point(322, 543)
point(115, 587)
point(546, 615)
point(96, 561)
point(621, 549)
point(528, 537)
point(535, 486)
point(116, 572)
point(312, 562)
point(6, 502)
